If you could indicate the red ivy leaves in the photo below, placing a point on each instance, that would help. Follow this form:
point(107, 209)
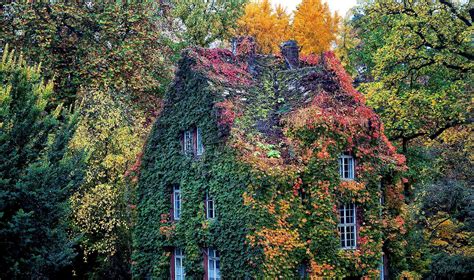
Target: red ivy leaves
point(226, 113)
point(221, 65)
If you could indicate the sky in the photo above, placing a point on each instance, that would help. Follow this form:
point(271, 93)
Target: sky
point(341, 6)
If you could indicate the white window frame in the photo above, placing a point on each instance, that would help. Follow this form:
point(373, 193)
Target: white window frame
point(179, 271)
point(213, 269)
point(346, 225)
point(176, 202)
point(210, 211)
point(188, 142)
point(346, 166)
point(199, 145)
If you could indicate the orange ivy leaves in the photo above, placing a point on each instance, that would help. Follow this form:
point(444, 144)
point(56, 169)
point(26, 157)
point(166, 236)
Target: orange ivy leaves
point(278, 242)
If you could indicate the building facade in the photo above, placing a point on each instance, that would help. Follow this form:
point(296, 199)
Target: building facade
point(264, 167)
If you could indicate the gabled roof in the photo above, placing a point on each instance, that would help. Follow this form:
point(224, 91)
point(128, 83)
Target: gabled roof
point(266, 106)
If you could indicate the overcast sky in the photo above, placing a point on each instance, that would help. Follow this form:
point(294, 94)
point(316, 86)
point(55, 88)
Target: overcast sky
point(341, 6)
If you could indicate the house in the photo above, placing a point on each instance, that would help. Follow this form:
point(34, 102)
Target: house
point(264, 166)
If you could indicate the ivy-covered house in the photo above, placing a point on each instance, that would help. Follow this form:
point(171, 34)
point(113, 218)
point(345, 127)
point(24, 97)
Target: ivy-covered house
point(264, 167)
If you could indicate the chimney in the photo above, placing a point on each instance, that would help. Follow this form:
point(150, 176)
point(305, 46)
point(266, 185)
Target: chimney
point(290, 52)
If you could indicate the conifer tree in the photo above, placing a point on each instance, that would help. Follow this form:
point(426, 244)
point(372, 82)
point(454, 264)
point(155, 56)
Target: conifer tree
point(37, 174)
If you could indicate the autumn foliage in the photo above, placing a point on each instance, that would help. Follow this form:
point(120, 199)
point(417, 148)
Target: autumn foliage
point(312, 25)
point(269, 26)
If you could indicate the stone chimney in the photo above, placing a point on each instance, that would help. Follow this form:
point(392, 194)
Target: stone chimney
point(290, 52)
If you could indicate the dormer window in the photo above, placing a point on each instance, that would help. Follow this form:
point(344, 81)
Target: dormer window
point(346, 167)
point(192, 142)
point(347, 226)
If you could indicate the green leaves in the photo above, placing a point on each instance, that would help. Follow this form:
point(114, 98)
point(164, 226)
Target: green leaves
point(208, 21)
point(421, 61)
point(36, 174)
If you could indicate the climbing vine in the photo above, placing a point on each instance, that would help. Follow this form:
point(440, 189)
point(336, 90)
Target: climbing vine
point(272, 138)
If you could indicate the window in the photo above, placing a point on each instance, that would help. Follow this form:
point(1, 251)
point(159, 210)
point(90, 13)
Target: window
point(213, 265)
point(192, 142)
point(176, 202)
point(179, 272)
point(347, 226)
point(346, 167)
point(210, 207)
point(199, 146)
point(188, 142)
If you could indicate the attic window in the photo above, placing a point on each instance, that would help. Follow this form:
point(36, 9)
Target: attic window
point(346, 167)
point(347, 226)
point(192, 142)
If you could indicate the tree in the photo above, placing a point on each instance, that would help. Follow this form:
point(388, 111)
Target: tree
point(269, 26)
point(121, 45)
point(420, 57)
point(314, 27)
point(37, 174)
point(113, 136)
point(111, 62)
point(207, 21)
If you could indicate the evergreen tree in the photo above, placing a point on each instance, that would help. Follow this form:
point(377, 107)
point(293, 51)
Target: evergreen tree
point(37, 175)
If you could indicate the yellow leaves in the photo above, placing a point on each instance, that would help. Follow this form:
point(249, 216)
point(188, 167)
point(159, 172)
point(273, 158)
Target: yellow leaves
point(113, 136)
point(449, 235)
point(269, 26)
point(96, 213)
point(314, 27)
point(277, 245)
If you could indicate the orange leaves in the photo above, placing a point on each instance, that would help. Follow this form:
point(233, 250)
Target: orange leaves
point(297, 186)
point(351, 188)
point(278, 242)
point(320, 271)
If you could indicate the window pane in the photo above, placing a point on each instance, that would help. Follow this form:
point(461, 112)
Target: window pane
point(347, 226)
point(346, 167)
point(188, 142)
point(213, 264)
point(179, 267)
point(200, 146)
point(177, 202)
point(349, 217)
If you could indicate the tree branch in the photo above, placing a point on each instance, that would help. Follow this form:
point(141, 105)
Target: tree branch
point(455, 12)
